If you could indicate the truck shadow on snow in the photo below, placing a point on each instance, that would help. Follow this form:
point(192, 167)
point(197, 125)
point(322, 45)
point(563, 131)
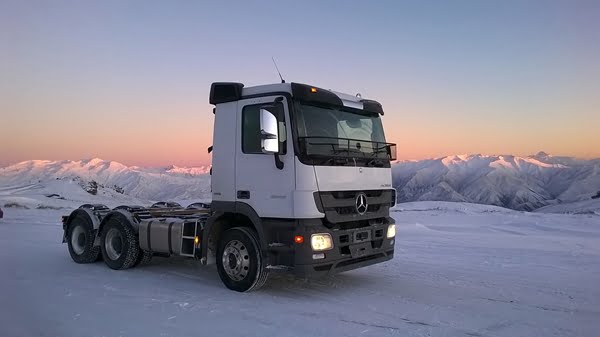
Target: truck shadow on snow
point(279, 283)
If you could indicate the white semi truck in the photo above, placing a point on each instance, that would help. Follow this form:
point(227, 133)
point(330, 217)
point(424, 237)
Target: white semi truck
point(301, 182)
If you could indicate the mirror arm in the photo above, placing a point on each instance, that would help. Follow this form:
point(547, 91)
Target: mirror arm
point(278, 162)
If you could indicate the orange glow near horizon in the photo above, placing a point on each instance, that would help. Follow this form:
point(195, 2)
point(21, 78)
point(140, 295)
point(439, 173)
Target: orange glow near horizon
point(182, 137)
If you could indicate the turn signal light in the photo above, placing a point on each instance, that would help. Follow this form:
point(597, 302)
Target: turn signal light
point(299, 239)
point(196, 240)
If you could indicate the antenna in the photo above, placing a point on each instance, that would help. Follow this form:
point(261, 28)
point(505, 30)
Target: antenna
point(282, 80)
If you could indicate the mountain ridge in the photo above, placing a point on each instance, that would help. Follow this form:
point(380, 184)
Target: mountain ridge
point(144, 183)
point(521, 183)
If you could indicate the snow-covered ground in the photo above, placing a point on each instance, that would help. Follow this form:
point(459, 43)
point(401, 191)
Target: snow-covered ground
point(459, 270)
point(590, 206)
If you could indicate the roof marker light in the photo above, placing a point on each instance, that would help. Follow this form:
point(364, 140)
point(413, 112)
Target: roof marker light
point(313, 89)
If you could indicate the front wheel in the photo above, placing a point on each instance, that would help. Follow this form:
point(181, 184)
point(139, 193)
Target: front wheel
point(239, 261)
point(144, 257)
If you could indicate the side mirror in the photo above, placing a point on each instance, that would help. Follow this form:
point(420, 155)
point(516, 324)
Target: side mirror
point(269, 132)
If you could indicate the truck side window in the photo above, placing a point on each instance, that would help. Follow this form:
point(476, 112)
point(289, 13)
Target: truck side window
point(251, 129)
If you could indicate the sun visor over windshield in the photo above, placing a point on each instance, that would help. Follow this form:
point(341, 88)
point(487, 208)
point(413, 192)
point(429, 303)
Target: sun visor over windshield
point(310, 94)
point(319, 96)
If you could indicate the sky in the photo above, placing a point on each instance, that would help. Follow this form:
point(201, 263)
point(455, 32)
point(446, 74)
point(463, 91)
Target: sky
point(129, 80)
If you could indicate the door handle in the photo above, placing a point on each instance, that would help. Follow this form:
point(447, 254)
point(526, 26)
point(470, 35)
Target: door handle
point(243, 194)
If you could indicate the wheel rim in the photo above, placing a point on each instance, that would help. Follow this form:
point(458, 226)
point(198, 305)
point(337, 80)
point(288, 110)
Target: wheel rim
point(113, 244)
point(78, 241)
point(236, 260)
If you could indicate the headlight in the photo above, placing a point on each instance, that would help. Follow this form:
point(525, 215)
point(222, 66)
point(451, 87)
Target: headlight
point(320, 242)
point(391, 232)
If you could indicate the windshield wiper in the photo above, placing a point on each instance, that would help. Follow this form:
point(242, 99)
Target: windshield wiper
point(336, 161)
point(376, 162)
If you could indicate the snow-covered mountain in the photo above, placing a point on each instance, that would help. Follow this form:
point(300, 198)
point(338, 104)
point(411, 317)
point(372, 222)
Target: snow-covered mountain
point(111, 179)
point(522, 183)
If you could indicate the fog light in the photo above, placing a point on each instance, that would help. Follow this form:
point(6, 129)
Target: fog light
point(318, 256)
point(391, 232)
point(321, 241)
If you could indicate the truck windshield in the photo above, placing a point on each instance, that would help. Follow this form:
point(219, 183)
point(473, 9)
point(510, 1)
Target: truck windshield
point(341, 136)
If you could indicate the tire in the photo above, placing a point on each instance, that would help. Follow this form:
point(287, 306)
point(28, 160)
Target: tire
point(144, 257)
point(80, 239)
point(239, 261)
point(119, 244)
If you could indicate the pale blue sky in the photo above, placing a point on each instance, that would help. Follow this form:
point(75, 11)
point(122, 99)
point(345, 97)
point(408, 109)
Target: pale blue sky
point(453, 76)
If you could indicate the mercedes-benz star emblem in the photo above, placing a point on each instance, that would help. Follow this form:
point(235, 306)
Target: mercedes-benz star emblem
point(361, 203)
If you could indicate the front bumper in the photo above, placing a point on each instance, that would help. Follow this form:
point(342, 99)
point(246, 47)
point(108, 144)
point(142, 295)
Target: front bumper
point(352, 248)
point(320, 270)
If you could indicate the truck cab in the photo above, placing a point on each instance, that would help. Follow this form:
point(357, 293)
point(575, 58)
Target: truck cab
point(309, 170)
point(301, 182)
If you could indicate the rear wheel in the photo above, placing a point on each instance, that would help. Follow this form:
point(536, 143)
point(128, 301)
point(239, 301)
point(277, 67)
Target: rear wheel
point(80, 238)
point(239, 261)
point(119, 244)
point(144, 257)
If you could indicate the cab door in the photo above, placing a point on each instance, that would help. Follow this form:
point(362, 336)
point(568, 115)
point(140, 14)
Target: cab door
point(259, 182)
